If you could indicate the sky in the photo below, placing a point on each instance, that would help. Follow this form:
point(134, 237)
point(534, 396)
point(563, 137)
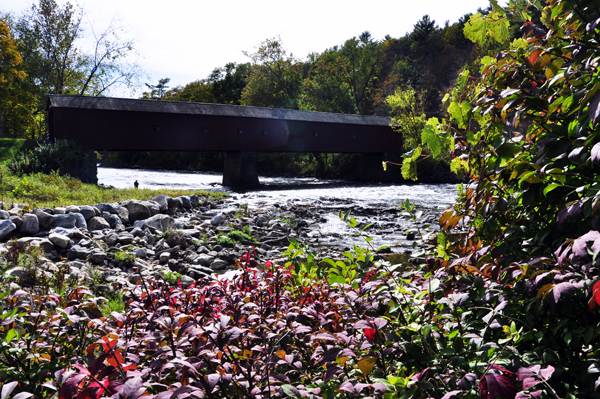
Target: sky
point(185, 40)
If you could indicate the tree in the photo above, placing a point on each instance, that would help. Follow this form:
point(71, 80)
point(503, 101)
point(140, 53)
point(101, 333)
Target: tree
point(408, 117)
point(48, 36)
point(16, 106)
point(275, 79)
point(362, 58)
point(199, 91)
point(325, 89)
point(158, 91)
point(228, 82)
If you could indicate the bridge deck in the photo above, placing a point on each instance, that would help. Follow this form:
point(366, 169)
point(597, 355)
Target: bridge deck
point(103, 123)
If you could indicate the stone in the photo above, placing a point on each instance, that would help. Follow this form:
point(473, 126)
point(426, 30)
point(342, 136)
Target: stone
point(111, 239)
point(137, 232)
point(137, 211)
point(59, 240)
point(194, 200)
point(123, 213)
point(261, 220)
point(218, 264)
point(107, 208)
point(141, 253)
point(17, 221)
point(43, 243)
point(59, 210)
point(6, 228)
point(73, 233)
point(164, 257)
point(153, 206)
point(78, 252)
point(87, 211)
point(97, 257)
point(205, 260)
point(160, 222)
point(20, 273)
point(196, 274)
point(175, 204)
point(25, 241)
point(98, 223)
point(186, 281)
point(185, 201)
point(15, 211)
point(125, 238)
point(65, 221)
point(80, 222)
point(73, 209)
point(4, 214)
point(114, 221)
point(45, 219)
point(162, 201)
point(217, 220)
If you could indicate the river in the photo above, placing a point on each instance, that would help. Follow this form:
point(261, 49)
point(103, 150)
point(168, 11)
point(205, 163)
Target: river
point(284, 189)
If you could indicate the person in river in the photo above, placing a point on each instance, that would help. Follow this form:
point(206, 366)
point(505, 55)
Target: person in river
point(136, 184)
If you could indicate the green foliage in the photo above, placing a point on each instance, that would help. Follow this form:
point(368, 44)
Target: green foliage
point(224, 240)
point(240, 236)
point(408, 118)
point(127, 258)
point(171, 278)
point(47, 158)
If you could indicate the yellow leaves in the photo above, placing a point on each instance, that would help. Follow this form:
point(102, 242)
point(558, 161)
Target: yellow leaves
point(366, 364)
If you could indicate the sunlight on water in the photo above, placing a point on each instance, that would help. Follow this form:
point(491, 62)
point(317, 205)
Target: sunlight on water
point(280, 190)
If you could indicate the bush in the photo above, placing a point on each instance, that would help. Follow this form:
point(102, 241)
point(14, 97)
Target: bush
point(47, 158)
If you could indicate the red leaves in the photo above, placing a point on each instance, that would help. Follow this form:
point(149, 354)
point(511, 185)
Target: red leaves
point(595, 299)
point(494, 385)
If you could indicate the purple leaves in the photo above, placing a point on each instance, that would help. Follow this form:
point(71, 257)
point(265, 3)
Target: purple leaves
point(533, 375)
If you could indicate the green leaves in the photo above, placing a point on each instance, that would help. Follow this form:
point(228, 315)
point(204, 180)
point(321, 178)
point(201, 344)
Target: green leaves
point(493, 26)
point(431, 138)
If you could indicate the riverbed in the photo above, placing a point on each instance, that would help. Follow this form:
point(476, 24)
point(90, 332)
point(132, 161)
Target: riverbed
point(369, 203)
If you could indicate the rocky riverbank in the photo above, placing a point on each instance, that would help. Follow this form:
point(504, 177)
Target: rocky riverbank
point(190, 237)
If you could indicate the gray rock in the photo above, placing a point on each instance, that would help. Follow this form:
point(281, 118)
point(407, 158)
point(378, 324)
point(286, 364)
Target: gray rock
point(4, 214)
point(111, 239)
point(217, 220)
point(79, 220)
point(87, 211)
point(97, 257)
point(45, 219)
point(185, 201)
point(202, 250)
point(137, 211)
point(123, 213)
point(114, 221)
point(162, 201)
point(107, 208)
point(19, 272)
point(175, 204)
point(194, 200)
point(42, 243)
point(261, 220)
point(98, 223)
point(71, 233)
point(164, 257)
point(59, 210)
point(125, 238)
point(159, 222)
point(186, 281)
point(196, 274)
point(25, 241)
point(73, 209)
point(205, 260)
point(65, 221)
point(59, 240)
point(141, 253)
point(6, 228)
point(15, 211)
point(153, 206)
point(78, 252)
point(218, 264)
point(137, 232)
point(16, 220)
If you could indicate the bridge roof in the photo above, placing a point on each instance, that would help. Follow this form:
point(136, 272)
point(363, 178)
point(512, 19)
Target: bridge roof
point(190, 108)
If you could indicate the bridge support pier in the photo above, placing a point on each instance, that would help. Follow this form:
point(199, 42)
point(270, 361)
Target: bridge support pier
point(240, 169)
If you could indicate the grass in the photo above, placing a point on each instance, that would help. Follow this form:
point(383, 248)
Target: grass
point(40, 190)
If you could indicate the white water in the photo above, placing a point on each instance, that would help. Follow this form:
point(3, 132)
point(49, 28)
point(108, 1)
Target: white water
point(281, 190)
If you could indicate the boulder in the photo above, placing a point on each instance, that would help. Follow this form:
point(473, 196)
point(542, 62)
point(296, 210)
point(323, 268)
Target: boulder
point(59, 210)
point(123, 213)
point(194, 200)
point(43, 243)
point(114, 221)
point(162, 201)
point(107, 208)
point(217, 220)
point(73, 209)
point(15, 211)
point(16, 220)
point(4, 214)
point(175, 204)
point(6, 228)
point(98, 223)
point(160, 222)
point(78, 252)
point(79, 220)
point(218, 264)
point(125, 238)
point(59, 240)
point(65, 221)
point(137, 211)
point(71, 233)
point(87, 211)
point(185, 201)
point(153, 206)
point(45, 219)
point(186, 281)
point(164, 257)
point(97, 257)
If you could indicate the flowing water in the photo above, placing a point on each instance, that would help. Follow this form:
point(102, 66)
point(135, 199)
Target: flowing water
point(284, 189)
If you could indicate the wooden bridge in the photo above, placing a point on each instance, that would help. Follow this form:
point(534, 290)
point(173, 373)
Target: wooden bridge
point(117, 124)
